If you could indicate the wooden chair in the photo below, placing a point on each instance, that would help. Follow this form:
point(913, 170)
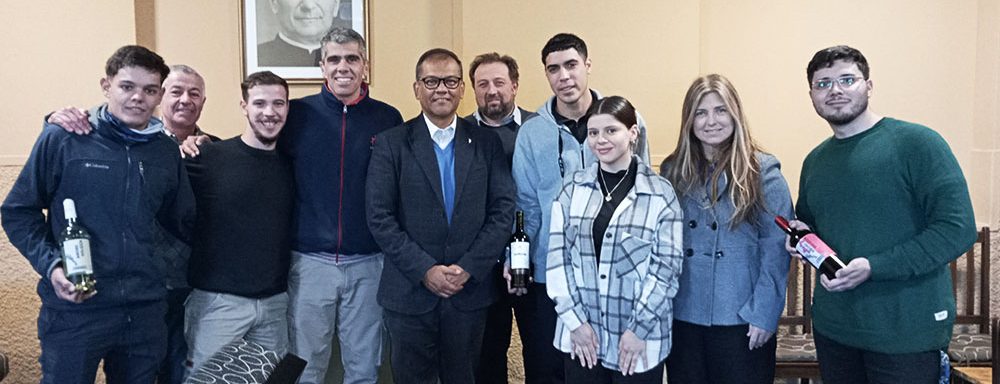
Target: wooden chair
point(970, 276)
point(796, 353)
point(995, 336)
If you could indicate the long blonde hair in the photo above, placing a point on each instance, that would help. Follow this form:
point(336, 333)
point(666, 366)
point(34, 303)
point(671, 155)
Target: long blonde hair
point(736, 156)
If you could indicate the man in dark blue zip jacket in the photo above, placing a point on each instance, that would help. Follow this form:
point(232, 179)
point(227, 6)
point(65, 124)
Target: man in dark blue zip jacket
point(123, 179)
point(336, 265)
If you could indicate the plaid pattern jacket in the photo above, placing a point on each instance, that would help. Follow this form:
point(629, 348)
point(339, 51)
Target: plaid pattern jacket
point(633, 285)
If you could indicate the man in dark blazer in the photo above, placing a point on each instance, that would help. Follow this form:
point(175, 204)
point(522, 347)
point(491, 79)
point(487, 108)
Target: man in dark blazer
point(440, 205)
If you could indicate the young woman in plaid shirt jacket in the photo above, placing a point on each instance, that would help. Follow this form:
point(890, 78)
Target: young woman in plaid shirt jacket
point(614, 258)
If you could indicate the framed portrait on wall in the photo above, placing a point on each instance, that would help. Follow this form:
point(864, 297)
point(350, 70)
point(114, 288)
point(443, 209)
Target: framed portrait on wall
point(282, 36)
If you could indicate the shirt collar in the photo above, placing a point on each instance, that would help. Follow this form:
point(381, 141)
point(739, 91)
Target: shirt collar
point(431, 128)
point(307, 47)
point(514, 116)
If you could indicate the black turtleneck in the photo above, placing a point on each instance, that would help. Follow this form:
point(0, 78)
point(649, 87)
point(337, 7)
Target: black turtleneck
point(603, 219)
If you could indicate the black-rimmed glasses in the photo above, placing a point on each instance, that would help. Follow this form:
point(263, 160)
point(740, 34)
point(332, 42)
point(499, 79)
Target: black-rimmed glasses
point(431, 82)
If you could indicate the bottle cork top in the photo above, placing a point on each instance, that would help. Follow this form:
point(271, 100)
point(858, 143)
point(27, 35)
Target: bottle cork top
point(69, 208)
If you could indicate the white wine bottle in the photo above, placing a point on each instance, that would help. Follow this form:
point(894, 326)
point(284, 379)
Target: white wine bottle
point(76, 252)
point(814, 250)
point(520, 260)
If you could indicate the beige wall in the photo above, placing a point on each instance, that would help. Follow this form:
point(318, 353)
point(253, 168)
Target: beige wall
point(933, 62)
point(53, 55)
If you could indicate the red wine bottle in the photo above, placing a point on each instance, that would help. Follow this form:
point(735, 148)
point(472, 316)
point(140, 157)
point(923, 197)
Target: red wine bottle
point(814, 250)
point(520, 259)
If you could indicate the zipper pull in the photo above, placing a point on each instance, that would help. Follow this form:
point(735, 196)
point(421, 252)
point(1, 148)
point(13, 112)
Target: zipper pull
point(142, 173)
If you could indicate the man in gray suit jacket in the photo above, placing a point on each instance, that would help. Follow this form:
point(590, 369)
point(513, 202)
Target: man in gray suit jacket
point(440, 202)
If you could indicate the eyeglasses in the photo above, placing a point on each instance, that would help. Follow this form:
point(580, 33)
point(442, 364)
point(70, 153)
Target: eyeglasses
point(826, 84)
point(431, 82)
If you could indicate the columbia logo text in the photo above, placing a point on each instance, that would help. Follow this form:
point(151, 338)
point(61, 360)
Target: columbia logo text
point(98, 166)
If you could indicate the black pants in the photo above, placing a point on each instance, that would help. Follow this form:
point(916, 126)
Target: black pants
point(577, 374)
point(172, 369)
point(839, 363)
point(442, 344)
point(536, 324)
point(718, 354)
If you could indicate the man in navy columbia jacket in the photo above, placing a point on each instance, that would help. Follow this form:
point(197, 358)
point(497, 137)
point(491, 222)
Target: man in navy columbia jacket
point(123, 179)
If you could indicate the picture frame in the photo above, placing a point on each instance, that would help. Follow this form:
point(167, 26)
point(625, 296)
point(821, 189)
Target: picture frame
point(282, 36)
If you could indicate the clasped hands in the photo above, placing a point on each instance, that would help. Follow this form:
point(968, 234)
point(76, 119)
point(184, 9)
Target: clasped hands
point(446, 280)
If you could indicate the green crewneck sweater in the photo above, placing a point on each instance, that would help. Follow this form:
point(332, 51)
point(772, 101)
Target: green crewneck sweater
point(895, 195)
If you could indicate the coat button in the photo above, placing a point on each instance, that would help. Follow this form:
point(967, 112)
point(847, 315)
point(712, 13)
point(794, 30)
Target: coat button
point(714, 225)
point(604, 276)
point(692, 224)
point(607, 235)
point(719, 254)
point(689, 252)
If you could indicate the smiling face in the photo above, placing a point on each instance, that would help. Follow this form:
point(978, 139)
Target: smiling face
point(440, 103)
point(305, 21)
point(713, 123)
point(611, 141)
point(495, 91)
point(132, 95)
point(840, 104)
point(266, 108)
point(183, 100)
point(345, 69)
point(567, 72)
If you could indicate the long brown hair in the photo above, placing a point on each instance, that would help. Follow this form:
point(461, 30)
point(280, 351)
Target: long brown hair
point(736, 156)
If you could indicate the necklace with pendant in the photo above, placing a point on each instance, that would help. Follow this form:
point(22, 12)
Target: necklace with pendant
point(607, 196)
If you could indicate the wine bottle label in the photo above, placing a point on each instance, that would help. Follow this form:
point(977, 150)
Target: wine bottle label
point(519, 258)
point(814, 250)
point(76, 257)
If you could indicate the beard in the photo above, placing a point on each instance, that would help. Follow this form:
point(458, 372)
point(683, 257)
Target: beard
point(259, 133)
point(842, 117)
point(265, 139)
point(497, 112)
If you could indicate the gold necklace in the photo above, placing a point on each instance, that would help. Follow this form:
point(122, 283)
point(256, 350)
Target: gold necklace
point(607, 197)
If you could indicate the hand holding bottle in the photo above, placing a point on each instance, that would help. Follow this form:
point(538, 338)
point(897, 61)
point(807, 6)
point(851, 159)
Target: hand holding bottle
point(798, 226)
point(65, 289)
point(507, 276)
point(809, 247)
point(857, 271)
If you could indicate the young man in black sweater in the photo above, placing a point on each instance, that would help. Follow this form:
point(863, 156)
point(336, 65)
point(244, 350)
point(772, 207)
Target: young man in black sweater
point(240, 255)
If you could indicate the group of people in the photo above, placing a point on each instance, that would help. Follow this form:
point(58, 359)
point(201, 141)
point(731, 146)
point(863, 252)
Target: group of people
point(330, 217)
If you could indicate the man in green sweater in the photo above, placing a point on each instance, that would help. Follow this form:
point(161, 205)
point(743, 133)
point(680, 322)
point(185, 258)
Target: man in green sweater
point(889, 197)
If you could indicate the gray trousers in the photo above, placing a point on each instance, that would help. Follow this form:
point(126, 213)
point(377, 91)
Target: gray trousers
point(212, 320)
point(325, 298)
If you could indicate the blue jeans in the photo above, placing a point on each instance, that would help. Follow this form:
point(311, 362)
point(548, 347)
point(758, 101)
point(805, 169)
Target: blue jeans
point(130, 340)
point(213, 320)
point(839, 363)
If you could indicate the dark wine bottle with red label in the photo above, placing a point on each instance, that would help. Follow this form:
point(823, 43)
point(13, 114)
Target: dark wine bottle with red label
point(814, 250)
point(76, 251)
point(520, 258)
